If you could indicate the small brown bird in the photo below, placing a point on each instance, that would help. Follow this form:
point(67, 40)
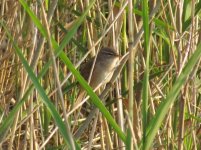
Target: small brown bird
point(105, 63)
point(103, 69)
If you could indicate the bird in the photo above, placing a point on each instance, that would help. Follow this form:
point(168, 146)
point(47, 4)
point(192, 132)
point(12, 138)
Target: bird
point(101, 69)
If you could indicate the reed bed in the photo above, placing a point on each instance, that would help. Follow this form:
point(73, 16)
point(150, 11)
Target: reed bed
point(153, 100)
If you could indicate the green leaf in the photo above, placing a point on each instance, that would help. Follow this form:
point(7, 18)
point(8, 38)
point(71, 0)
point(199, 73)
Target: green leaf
point(146, 74)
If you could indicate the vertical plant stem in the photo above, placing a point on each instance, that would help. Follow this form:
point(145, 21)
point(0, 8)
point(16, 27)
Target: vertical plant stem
point(130, 65)
point(146, 70)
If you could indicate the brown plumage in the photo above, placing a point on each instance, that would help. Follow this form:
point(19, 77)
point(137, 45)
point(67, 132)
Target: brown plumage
point(103, 69)
point(105, 64)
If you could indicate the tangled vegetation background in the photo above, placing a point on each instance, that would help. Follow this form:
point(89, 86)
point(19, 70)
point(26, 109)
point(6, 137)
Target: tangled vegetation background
point(153, 100)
